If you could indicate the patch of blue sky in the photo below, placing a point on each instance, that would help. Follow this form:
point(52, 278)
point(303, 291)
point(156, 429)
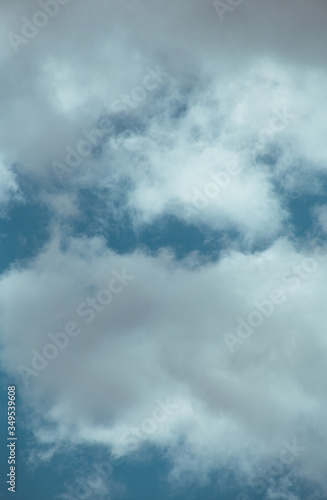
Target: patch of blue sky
point(24, 230)
point(31, 483)
point(169, 231)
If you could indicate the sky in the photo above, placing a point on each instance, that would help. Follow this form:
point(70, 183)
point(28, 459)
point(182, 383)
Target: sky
point(163, 249)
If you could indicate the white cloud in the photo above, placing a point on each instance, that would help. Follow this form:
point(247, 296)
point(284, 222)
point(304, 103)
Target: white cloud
point(9, 188)
point(162, 337)
point(57, 91)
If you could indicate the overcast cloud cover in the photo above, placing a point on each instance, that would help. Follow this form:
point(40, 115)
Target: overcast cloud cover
point(167, 160)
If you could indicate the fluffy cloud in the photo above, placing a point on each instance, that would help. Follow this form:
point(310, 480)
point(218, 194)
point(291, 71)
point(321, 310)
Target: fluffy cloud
point(213, 108)
point(162, 337)
point(241, 97)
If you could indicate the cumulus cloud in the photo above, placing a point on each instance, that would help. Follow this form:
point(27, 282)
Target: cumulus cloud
point(162, 337)
point(229, 100)
point(232, 129)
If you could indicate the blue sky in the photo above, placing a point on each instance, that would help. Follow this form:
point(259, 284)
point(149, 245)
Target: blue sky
point(163, 221)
